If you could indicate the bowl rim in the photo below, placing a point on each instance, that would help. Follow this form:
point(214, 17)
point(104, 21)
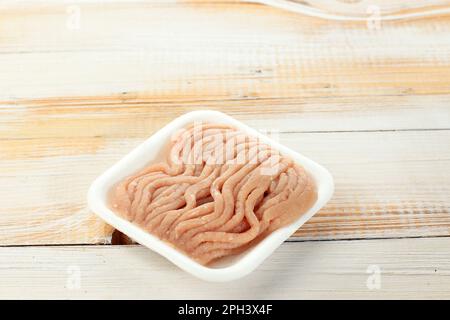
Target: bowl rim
point(250, 259)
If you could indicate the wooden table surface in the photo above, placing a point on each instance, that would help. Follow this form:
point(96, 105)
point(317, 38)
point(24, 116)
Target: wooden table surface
point(82, 84)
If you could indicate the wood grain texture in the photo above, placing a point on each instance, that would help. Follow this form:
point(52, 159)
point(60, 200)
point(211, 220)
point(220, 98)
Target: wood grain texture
point(388, 184)
point(410, 268)
point(214, 51)
point(123, 116)
point(372, 105)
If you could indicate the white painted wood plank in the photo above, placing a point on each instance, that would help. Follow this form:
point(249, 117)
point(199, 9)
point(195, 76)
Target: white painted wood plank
point(410, 269)
point(133, 116)
point(388, 184)
point(216, 50)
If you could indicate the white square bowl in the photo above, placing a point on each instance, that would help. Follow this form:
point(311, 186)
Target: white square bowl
point(226, 269)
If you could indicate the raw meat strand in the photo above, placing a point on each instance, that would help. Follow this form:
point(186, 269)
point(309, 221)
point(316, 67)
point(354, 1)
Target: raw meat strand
point(204, 197)
point(217, 185)
point(202, 241)
point(146, 193)
point(211, 256)
point(301, 206)
point(210, 246)
point(167, 193)
point(154, 208)
point(276, 198)
point(261, 183)
point(123, 202)
point(238, 216)
point(204, 209)
point(201, 148)
point(168, 196)
point(290, 204)
point(131, 187)
point(192, 214)
point(139, 191)
point(141, 207)
point(257, 185)
point(224, 209)
point(123, 189)
point(173, 215)
point(212, 250)
point(190, 196)
point(194, 145)
point(172, 218)
point(164, 191)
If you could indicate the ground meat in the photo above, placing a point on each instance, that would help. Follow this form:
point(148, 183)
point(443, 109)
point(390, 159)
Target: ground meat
point(219, 192)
